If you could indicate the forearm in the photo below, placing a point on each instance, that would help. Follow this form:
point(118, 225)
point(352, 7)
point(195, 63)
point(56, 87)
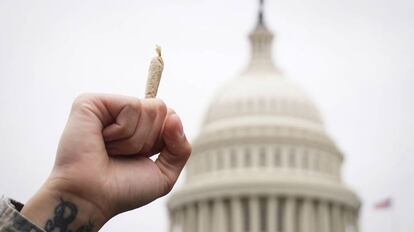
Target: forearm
point(55, 211)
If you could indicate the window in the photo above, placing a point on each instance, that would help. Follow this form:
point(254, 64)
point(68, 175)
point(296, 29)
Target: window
point(208, 162)
point(305, 160)
point(292, 158)
point(273, 105)
point(282, 106)
point(276, 154)
point(250, 105)
point(233, 157)
point(323, 163)
point(238, 106)
point(288, 107)
point(328, 164)
point(261, 104)
point(316, 162)
point(247, 158)
point(220, 161)
point(262, 157)
point(190, 167)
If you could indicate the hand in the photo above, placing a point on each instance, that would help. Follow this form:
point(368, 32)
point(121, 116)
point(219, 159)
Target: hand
point(102, 166)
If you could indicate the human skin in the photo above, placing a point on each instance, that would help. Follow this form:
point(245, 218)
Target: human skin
point(103, 164)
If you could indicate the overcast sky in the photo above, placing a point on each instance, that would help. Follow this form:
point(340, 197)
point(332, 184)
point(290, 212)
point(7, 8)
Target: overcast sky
point(354, 57)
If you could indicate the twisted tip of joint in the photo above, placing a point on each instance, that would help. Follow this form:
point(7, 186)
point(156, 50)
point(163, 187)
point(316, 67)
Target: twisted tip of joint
point(158, 50)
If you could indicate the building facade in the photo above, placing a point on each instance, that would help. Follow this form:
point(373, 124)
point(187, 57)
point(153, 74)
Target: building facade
point(263, 161)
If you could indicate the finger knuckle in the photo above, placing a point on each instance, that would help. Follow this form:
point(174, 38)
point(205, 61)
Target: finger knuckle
point(81, 100)
point(150, 110)
point(161, 107)
point(155, 108)
point(137, 105)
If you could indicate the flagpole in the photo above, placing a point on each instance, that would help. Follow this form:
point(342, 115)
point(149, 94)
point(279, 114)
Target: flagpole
point(392, 220)
point(393, 225)
point(388, 205)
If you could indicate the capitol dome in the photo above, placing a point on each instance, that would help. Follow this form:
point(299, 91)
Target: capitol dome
point(262, 95)
point(263, 161)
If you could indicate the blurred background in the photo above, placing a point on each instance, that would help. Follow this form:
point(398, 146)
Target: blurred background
point(353, 58)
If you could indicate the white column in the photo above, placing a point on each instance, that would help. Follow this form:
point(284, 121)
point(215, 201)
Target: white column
point(312, 218)
point(254, 208)
point(236, 214)
point(186, 220)
point(323, 220)
point(219, 216)
point(341, 220)
point(289, 215)
point(355, 220)
point(203, 220)
point(192, 218)
point(348, 220)
point(179, 226)
point(172, 220)
point(335, 218)
point(305, 216)
point(272, 217)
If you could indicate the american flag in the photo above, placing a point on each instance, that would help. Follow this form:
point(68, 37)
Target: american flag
point(384, 204)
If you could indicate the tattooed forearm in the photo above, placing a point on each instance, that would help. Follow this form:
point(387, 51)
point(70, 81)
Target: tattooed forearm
point(65, 213)
point(85, 228)
point(21, 224)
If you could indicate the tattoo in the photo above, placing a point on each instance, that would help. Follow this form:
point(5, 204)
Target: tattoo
point(86, 228)
point(65, 214)
point(21, 224)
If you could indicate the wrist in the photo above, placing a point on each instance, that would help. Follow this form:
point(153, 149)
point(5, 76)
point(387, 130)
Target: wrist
point(61, 211)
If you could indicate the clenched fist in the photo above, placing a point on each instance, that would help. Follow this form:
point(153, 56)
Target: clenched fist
point(103, 164)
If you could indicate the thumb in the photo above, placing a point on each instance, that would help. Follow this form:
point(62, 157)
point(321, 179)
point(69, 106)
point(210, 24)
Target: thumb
point(175, 153)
